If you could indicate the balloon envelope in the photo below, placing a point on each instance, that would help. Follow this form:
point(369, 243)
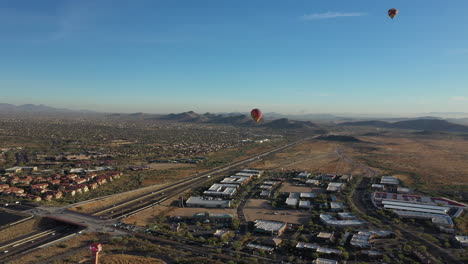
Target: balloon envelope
point(256, 114)
point(392, 12)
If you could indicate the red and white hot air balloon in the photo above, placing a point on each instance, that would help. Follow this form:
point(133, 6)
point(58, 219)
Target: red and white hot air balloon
point(256, 114)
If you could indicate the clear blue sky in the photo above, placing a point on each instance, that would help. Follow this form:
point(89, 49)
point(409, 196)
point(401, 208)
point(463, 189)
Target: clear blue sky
point(299, 56)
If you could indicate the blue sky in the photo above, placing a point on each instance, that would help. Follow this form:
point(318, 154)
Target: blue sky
point(299, 56)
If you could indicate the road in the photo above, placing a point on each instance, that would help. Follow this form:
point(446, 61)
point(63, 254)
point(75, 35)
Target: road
point(361, 203)
point(103, 220)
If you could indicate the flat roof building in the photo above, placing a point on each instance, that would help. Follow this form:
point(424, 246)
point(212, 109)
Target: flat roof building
point(389, 180)
point(324, 261)
point(303, 175)
point(307, 195)
point(346, 216)
point(463, 240)
point(197, 201)
point(220, 189)
point(332, 221)
point(336, 206)
point(292, 202)
point(335, 186)
point(270, 227)
point(236, 180)
point(305, 204)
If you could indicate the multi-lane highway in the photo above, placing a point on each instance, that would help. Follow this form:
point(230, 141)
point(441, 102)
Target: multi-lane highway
point(103, 220)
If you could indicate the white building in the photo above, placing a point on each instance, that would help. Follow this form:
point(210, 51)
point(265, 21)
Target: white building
point(197, 201)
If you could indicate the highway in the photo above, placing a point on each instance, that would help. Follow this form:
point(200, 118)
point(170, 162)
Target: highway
point(103, 220)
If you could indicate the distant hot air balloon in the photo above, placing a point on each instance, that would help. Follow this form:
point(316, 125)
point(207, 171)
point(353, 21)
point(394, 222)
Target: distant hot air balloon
point(392, 12)
point(256, 114)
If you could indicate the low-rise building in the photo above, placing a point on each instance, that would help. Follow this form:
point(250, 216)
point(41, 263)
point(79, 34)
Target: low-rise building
point(332, 221)
point(274, 228)
point(335, 186)
point(292, 202)
point(305, 204)
point(324, 261)
point(336, 206)
point(221, 190)
point(197, 201)
point(463, 240)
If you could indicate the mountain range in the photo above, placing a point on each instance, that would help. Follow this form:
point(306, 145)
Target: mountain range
point(417, 124)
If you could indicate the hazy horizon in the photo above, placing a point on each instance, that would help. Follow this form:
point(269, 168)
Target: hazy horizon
point(223, 56)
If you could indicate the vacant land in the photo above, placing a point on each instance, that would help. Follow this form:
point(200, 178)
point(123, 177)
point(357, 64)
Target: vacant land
point(113, 199)
point(191, 211)
point(313, 156)
point(9, 216)
point(420, 161)
point(262, 209)
point(128, 259)
point(20, 229)
point(165, 166)
point(289, 187)
point(148, 216)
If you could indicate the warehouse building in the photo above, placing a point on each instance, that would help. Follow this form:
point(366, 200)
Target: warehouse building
point(197, 201)
point(223, 190)
point(332, 221)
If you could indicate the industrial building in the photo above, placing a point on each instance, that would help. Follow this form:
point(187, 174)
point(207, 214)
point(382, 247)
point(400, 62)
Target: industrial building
point(270, 227)
point(335, 186)
point(346, 216)
point(463, 240)
point(292, 202)
point(324, 261)
point(236, 180)
point(197, 201)
point(415, 203)
point(332, 221)
point(318, 248)
point(438, 219)
point(212, 217)
point(336, 206)
point(303, 175)
point(223, 190)
point(305, 204)
point(363, 238)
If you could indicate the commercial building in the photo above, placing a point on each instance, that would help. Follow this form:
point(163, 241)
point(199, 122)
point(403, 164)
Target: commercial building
point(332, 221)
point(208, 217)
point(240, 180)
point(305, 204)
point(463, 240)
point(197, 201)
point(335, 186)
point(292, 202)
point(415, 203)
point(324, 261)
point(364, 238)
point(307, 195)
point(389, 180)
point(346, 216)
point(303, 175)
point(312, 182)
point(336, 206)
point(270, 227)
point(444, 221)
point(223, 190)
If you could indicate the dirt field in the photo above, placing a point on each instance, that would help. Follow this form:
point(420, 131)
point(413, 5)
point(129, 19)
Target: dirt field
point(165, 166)
point(20, 229)
point(438, 162)
point(288, 187)
point(128, 259)
point(313, 156)
point(261, 209)
point(147, 216)
point(9, 216)
point(116, 198)
point(192, 211)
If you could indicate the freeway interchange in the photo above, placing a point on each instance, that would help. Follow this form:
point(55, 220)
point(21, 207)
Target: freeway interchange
point(104, 220)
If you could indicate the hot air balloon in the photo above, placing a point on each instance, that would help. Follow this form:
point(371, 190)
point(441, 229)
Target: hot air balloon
point(392, 12)
point(256, 114)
